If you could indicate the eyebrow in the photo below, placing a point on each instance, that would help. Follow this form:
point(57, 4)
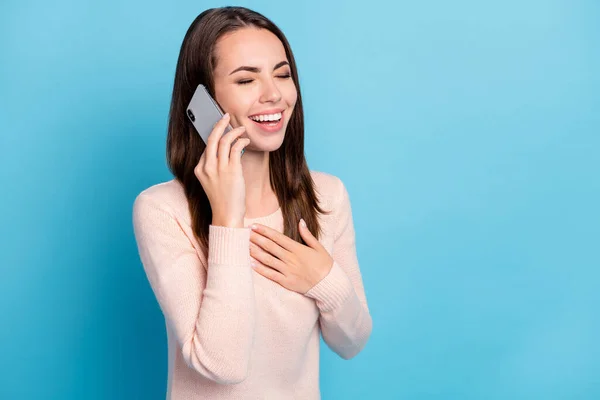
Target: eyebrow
point(257, 70)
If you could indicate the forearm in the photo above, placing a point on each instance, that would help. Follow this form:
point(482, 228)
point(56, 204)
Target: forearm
point(221, 342)
point(345, 321)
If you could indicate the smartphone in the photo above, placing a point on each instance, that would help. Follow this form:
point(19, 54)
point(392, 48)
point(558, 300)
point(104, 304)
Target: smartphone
point(204, 112)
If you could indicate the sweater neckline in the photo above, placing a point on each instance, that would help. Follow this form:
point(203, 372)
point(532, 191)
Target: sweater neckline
point(264, 219)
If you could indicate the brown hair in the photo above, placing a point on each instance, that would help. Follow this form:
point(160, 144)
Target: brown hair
point(290, 177)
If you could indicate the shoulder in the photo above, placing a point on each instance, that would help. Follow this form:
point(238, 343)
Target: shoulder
point(168, 197)
point(334, 198)
point(325, 180)
point(330, 188)
point(161, 212)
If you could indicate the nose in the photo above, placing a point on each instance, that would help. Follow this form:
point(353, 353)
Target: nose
point(271, 93)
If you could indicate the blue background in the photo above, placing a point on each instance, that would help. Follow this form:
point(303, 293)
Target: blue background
point(467, 135)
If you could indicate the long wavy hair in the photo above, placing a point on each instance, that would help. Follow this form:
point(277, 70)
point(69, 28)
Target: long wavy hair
point(290, 177)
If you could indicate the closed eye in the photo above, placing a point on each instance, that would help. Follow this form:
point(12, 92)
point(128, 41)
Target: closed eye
point(247, 81)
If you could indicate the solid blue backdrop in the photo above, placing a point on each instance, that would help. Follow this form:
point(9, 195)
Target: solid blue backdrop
point(467, 135)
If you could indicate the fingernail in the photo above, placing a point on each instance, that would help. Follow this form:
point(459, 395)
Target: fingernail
point(302, 223)
point(226, 115)
point(254, 227)
point(252, 264)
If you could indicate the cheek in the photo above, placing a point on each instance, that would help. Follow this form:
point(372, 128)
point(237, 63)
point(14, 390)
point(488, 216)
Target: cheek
point(235, 104)
point(291, 95)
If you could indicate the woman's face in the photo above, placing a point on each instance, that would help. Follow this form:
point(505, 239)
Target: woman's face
point(253, 80)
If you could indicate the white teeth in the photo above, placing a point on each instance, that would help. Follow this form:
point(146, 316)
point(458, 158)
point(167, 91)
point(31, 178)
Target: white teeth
point(267, 117)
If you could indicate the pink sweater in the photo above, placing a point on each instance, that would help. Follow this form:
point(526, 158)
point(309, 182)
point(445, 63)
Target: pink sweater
point(232, 333)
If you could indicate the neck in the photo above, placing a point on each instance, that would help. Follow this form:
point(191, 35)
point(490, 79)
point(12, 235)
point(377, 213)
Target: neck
point(259, 195)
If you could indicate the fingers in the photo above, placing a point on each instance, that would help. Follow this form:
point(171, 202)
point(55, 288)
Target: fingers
point(269, 273)
point(269, 246)
point(266, 259)
point(275, 236)
point(307, 235)
point(212, 144)
point(225, 145)
point(236, 150)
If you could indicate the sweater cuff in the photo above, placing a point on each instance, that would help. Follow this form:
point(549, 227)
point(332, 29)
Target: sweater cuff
point(228, 246)
point(333, 290)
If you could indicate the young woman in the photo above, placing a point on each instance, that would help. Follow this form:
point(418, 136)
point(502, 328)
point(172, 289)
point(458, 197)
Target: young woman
point(250, 255)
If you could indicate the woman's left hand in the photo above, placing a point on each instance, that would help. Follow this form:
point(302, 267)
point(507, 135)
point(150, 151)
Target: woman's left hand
point(291, 264)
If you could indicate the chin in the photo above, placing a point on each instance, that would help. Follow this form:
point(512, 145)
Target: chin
point(260, 141)
point(266, 144)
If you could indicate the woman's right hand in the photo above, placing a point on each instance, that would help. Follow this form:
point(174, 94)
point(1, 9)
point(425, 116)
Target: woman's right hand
point(221, 177)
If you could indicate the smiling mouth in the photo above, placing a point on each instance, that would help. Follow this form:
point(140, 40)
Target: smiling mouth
point(268, 120)
point(270, 124)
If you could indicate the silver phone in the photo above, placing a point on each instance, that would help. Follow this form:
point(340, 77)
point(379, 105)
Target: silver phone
point(204, 112)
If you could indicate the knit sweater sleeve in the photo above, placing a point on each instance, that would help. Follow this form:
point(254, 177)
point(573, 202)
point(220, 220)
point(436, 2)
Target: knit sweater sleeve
point(209, 310)
point(344, 315)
